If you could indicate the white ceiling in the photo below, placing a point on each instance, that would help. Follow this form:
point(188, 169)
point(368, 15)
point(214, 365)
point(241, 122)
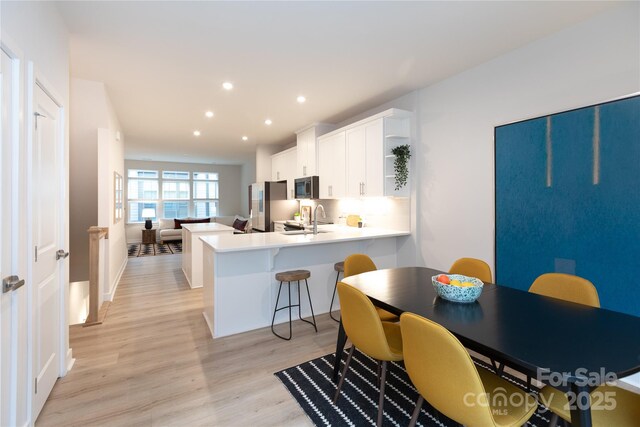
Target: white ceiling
point(164, 62)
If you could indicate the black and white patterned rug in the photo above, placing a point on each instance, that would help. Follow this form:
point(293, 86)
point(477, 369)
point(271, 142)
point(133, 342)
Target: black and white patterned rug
point(311, 386)
point(150, 249)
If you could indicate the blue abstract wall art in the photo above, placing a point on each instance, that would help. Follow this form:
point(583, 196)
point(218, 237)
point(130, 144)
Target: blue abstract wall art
point(567, 199)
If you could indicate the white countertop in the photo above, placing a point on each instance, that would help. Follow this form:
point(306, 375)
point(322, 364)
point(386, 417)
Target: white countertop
point(204, 227)
point(256, 241)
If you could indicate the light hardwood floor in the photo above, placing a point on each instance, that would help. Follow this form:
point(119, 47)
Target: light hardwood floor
point(153, 361)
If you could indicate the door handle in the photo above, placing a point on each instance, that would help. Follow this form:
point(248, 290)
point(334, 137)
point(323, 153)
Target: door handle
point(11, 283)
point(61, 254)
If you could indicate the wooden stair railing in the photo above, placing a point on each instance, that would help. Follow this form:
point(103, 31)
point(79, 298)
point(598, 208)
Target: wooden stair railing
point(95, 316)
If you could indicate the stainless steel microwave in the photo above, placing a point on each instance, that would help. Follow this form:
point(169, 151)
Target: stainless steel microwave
point(307, 187)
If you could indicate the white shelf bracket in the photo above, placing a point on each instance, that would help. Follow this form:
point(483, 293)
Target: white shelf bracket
point(272, 257)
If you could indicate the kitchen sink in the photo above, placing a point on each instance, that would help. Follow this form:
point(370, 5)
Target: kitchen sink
point(303, 232)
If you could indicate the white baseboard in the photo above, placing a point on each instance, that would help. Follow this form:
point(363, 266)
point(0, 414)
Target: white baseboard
point(209, 325)
point(186, 276)
point(70, 360)
point(108, 296)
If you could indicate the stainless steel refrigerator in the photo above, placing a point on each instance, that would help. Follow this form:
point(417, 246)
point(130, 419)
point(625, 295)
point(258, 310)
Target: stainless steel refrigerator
point(269, 203)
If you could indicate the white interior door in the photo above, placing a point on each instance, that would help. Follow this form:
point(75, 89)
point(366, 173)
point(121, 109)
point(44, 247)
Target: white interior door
point(13, 352)
point(8, 320)
point(46, 182)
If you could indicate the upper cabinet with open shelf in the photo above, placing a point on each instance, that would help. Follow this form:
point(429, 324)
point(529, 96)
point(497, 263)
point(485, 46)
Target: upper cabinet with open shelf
point(365, 160)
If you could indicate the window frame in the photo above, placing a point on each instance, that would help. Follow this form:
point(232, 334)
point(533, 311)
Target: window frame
point(163, 177)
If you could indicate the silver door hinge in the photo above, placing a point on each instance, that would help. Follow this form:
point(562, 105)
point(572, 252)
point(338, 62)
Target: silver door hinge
point(36, 250)
point(36, 114)
point(36, 386)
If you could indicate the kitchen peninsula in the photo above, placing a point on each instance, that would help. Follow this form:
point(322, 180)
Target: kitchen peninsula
point(240, 289)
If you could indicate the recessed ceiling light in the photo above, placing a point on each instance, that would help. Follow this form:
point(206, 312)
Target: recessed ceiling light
point(227, 85)
point(196, 133)
point(245, 138)
point(268, 122)
point(301, 99)
point(209, 114)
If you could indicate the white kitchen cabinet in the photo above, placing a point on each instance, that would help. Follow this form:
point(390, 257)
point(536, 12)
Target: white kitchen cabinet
point(283, 167)
point(356, 160)
point(276, 166)
point(307, 150)
point(332, 166)
point(365, 160)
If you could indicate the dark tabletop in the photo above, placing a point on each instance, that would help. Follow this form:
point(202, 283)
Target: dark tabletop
point(527, 331)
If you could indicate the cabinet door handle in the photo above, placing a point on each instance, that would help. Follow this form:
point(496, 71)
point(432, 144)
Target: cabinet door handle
point(363, 192)
point(304, 170)
point(277, 175)
point(61, 254)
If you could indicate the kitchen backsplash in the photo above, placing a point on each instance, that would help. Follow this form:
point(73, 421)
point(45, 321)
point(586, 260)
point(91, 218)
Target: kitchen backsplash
point(385, 212)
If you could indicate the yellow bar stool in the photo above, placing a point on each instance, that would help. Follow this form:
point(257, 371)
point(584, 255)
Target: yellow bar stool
point(292, 276)
point(339, 268)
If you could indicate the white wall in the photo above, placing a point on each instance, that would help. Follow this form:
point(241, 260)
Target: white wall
point(592, 62)
point(263, 161)
point(248, 177)
point(96, 153)
point(38, 32)
point(111, 155)
point(88, 113)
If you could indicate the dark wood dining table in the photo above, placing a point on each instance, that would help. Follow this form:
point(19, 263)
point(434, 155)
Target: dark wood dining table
point(528, 332)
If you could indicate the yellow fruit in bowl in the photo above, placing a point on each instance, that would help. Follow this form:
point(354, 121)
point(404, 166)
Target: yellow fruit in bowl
point(455, 282)
point(466, 284)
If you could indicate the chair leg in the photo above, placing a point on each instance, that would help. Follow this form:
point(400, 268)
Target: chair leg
point(276, 310)
point(344, 374)
point(378, 373)
point(310, 305)
point(553, 422)
point(333, 298)
point(383, 378)
point(416, 412)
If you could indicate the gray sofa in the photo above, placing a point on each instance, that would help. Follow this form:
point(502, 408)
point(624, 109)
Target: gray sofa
point(168, 232)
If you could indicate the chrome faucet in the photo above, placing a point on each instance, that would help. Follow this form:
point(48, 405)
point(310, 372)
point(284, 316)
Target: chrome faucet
point(315, 217)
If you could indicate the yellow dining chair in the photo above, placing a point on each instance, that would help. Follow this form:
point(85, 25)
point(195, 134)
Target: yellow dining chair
point(618, 407)
point(377, 339)
point(576, 289)
point(566, 287)
point(444, 374)
point(473, 268)
point(361, 263)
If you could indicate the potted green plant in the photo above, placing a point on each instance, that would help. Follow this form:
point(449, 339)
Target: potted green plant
point(401, 164)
